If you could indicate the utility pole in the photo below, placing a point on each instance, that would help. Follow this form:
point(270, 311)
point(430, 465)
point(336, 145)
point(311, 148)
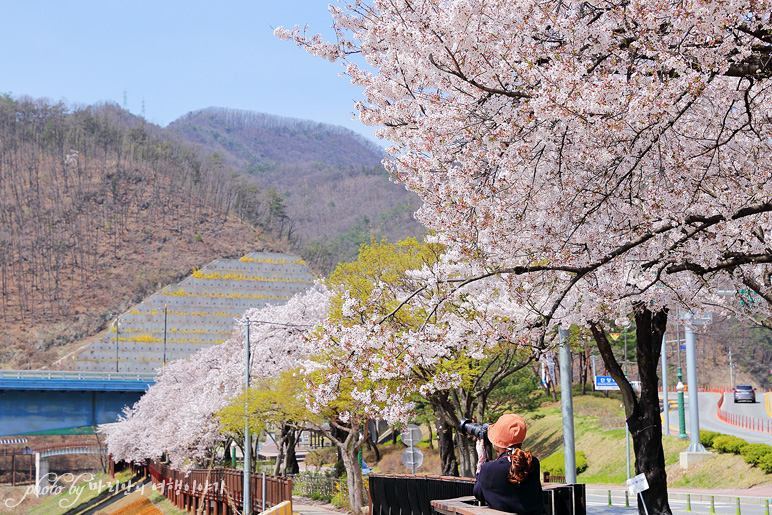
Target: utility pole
point(247, 500)
point(117, 338)
point(567, 404)
point(665, 401)
point(693, 387)
point(731, 370)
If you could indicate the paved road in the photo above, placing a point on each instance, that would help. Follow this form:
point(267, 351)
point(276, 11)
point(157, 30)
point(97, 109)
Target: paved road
point(724, 504)
point(710, 422)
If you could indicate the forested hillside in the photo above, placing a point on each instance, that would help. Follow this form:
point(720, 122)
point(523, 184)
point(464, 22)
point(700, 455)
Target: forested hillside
point(97, 210)
point(327, 181)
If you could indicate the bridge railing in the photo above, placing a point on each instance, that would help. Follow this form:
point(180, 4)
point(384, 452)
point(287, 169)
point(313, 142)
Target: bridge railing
point(69, 445)
point(76, 375)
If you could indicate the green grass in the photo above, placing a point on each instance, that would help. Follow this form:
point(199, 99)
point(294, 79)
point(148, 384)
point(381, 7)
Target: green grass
point(78, 493)
point(163, 504)
point(599, 432)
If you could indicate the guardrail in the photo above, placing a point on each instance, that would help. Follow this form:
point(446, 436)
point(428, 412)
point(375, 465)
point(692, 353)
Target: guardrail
point(76, 375)
point(743, 421)
point(709, 389)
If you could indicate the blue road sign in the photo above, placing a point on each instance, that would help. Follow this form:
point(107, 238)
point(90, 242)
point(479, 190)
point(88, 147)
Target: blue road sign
point(605, 383)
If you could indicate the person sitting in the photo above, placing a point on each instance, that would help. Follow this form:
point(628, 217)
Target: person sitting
point(512, 481)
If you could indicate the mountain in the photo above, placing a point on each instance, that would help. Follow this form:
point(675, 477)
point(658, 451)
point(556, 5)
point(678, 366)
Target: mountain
point(99, 209)
point(251, 138)
point(326, 180)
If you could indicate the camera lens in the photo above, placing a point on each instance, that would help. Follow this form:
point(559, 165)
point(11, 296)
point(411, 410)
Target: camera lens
point(479, 431)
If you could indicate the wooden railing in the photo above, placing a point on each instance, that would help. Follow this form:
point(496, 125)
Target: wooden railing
point(428, 495)
point(218, 490)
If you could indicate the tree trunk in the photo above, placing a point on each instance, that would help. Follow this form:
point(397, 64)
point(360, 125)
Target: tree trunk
point(353, 478)
point(446, 447)
point(279, 454)
point(373, 446)
point(643, 416)
point(467, 451)
point(348, 441)
point(291, 466)
point(445, 422)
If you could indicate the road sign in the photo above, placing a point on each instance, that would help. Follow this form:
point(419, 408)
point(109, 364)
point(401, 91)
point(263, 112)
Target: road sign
point(637, 484)
point(411, 435)
point(412, 458)
point(605, 383)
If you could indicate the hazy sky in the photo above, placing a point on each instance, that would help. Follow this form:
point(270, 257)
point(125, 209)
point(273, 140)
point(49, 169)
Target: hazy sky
point(178, 56)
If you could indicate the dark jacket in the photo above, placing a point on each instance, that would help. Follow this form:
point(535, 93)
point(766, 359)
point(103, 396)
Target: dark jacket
point(494, 489)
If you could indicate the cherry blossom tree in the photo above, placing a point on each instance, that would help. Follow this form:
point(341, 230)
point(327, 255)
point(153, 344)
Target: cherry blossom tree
point(387, 334)
point(178, 414)
point(601, 159)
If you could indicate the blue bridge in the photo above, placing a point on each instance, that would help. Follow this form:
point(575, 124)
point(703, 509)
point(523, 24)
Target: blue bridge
point(41, 400)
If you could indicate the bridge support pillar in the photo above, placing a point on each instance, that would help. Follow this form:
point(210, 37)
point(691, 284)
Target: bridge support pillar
point(41, 476)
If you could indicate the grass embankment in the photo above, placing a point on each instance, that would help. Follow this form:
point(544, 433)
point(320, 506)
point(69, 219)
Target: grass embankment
point(164, 504)
point(70, 490)
point(79, 492)
point(599, 431)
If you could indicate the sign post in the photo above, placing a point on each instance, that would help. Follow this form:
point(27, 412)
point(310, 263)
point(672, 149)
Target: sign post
point(636, 485)
point(605, 383)
point(412, 457)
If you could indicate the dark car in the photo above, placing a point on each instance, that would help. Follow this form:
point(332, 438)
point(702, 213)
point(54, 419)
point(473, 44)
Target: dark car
point(744, 392)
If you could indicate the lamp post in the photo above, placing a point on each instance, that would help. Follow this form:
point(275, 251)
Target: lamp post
point(681, 415)
point(691, 380)
point(247, 501)
point(567, 404)
point(164, 361)
point(117, 338)
point(247, 498)
point(665, 400)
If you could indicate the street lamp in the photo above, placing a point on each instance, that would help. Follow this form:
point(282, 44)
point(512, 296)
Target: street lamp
point(731, 370)
point(117, 325)
point(247, 498)
point(247, 501)
point(681, 415)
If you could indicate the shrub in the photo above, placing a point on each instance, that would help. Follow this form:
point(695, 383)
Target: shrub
point(765, 463)
point(339, 469)
point(323, 456)
point(707, 437)
point(731, 444)
point(754, 452)
point(555, 464)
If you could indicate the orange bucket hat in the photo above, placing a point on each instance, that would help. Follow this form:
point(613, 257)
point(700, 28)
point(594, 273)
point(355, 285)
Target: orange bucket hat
point(508, 430)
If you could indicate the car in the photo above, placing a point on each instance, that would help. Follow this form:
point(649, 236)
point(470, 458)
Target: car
point(744, 392)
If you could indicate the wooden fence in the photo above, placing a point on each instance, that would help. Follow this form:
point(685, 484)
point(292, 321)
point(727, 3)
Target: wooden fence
point(218, 491)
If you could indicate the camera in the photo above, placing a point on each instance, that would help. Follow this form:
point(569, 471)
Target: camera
point(479, 431)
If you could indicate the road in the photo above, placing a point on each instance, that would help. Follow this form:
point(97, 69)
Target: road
point(710, 422)
point(597, 504)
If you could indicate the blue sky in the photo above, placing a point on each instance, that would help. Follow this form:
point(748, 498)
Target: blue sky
point(177, 56)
